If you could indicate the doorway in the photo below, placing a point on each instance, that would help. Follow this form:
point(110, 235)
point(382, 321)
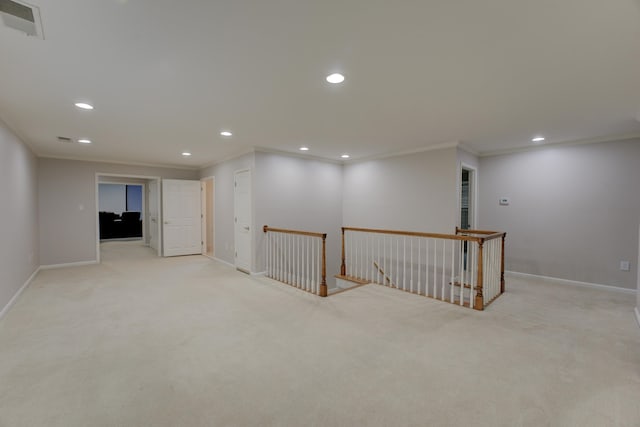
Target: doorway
point(121, 211)
point(467, 197)
point(242, 220)
point(207, 190)
point(134, 209)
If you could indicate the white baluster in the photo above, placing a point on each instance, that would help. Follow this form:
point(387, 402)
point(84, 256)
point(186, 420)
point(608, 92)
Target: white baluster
point(397, 262)
point(404, 263)
point(435, 268)
point(444, 260)
point(419, 265)
point(426, 266)
point(453, 260)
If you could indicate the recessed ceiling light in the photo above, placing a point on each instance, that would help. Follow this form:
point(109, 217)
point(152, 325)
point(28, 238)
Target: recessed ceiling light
point(186, 154)
point(84, 141)
point(345, 156)
point(335, 78)
point(538, 139)
point(84, 105)
point(225, 133)
point(304, 148)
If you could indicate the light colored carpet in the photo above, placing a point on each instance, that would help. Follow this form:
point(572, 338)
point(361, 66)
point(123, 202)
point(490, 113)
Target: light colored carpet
point(146, 341)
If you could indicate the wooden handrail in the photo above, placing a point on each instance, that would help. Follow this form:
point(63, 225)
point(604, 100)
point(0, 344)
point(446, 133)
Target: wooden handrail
point(266, 228)
point(464, 230)
point(477, 236)
point(415, 234)
point(323, 291)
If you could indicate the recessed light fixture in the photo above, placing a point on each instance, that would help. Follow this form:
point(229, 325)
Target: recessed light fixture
point(186, 154)
point(225, 133)
point(304, 148)
point(538, 139)
point(345, 156)
point(84, 141)
point(335, 78)
point(84, 105)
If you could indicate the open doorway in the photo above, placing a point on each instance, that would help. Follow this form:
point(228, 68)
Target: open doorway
point(120, 212)
point(207, 186)
point(128, 212)
point(467, 197)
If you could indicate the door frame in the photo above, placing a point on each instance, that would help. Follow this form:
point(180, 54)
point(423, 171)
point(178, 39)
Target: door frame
point(203, 215)
point(473, 200)
point(251, 230)
point(144, 207)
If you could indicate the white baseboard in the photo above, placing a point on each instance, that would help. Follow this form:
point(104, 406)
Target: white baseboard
point(573, 282)
point(637, 315)
point(260, 273)
point(224, 262)
point(69, 264)
point(13, 300)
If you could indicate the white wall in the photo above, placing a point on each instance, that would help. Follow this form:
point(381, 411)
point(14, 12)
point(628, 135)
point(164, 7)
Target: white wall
point(416, 192)
point(223, 204)
point(301, 194)
point(573, 212)
point(67, 205)
point(18, 215)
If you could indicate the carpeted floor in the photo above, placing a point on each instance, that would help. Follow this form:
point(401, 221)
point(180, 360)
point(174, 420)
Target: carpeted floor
point(186, 341)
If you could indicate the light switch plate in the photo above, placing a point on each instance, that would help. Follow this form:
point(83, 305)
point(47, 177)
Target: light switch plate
point(625, 266)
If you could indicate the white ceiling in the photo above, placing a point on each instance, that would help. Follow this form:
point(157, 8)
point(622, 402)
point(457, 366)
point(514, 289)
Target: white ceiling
point(168, 76)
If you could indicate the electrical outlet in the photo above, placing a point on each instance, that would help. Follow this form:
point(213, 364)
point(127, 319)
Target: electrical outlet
point(504, 201)
point(625, 266)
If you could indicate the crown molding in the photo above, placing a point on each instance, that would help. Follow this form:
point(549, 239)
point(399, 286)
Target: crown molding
point(116, 162)
point(452, 144)
point(611, 138)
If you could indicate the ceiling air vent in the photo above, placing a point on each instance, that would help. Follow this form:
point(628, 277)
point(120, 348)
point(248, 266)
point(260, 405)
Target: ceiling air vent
point(22, 17)
point(64, 139)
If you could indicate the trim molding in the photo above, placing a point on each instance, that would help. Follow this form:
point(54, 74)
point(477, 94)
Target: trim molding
point(611, 138)
point(223, 262)
point(259, 273)
point(15, 297)
point(574, 282)
point(637, 315)
point(69, 264)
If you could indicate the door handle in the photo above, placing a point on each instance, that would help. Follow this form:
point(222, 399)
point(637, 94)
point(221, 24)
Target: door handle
point(246, 228)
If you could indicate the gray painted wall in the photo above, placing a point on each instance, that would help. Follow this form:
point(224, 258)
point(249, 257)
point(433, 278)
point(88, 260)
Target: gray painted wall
point(67, 205)
point(416, 192)
point(18, 215)
point(223, 204)
point(302, 194)
point(574, 210)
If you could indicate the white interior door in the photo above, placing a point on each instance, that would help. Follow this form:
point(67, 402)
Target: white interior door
point(181, 217)
point(242, 212)
point(154, 215)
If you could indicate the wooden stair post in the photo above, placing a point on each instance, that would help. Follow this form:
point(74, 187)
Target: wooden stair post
point(502, 266)
point(479, 303)
point(323, 284)
point(343, 267)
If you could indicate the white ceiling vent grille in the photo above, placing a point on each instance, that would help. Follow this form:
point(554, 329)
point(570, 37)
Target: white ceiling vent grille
point(22, 17)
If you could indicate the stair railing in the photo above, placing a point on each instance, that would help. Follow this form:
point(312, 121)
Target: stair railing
point(466, 268)
point(297, 258)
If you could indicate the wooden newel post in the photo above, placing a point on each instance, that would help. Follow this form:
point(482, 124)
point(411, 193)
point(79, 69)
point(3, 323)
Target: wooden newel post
point(323, 284)
point(343, 267)
point(265, 228)
point(502, 287)
point(479, 303)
